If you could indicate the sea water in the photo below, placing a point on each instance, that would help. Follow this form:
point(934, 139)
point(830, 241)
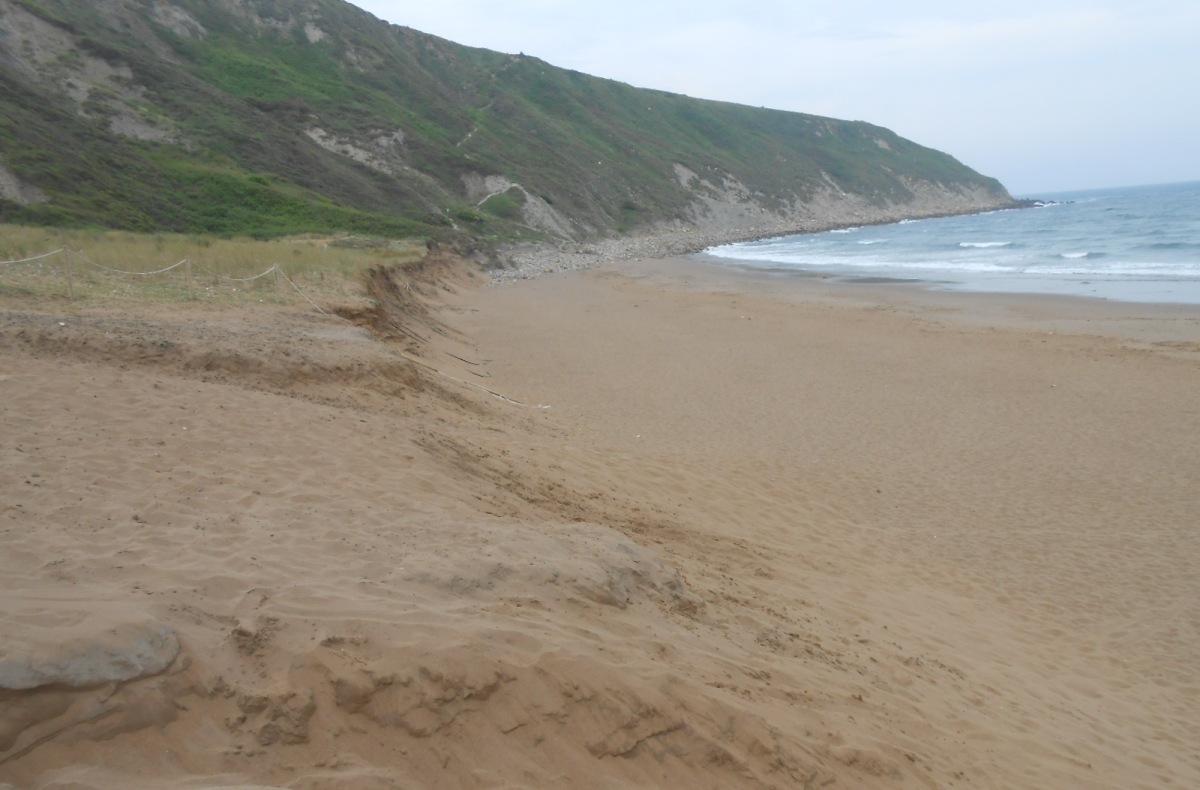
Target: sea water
point(1131, 243)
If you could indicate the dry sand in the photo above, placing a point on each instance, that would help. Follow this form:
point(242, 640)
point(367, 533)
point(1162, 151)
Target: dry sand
point(723, 530)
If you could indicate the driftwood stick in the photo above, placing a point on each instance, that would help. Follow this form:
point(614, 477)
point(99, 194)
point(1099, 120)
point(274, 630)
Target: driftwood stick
point(460, 359)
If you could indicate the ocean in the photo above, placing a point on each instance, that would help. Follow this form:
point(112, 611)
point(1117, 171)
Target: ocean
point(1132, 244)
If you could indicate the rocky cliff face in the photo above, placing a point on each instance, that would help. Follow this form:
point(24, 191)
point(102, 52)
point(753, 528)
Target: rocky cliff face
point(280, 116)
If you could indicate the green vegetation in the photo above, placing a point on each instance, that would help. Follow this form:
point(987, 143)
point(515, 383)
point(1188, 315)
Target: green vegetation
point(224, 109)
point(115, 267)
point(506, 205)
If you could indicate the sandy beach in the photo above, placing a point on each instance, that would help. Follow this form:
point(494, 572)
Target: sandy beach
point(654, 524)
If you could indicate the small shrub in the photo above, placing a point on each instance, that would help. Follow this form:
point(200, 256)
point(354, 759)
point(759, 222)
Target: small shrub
point(504, 205)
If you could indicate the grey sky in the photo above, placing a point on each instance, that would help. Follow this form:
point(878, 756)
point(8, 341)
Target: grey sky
point(1046, 95)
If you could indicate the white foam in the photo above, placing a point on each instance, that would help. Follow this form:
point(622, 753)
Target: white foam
point(1117, 271)
point(1078, 246)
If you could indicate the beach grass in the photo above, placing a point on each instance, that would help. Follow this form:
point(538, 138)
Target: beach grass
point(114, 267)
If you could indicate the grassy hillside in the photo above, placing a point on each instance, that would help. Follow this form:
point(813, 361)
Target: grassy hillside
point(271, 117)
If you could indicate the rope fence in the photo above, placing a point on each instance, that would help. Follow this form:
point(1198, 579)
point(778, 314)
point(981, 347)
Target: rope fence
point(289, 279)
point(34, 257)
point(122, 271)
point(69, 252)
point(275, 269)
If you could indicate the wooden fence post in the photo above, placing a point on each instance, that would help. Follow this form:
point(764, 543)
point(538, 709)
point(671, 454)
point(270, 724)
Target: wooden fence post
point(67, 268)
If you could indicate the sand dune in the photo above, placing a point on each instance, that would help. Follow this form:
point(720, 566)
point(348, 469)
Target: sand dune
point(656, 524)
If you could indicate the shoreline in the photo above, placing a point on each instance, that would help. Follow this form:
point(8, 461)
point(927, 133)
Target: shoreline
point(1165, 292)
point(523, 262)
point(1133, 275)
point(1132, 321)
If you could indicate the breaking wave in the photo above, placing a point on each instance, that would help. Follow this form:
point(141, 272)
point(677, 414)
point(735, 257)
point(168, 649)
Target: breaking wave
point(1119, 238)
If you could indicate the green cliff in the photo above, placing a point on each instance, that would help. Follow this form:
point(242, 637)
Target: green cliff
point(272, 117)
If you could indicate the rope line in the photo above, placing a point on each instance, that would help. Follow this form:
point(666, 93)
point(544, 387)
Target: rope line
point(34, 258)
point(470, 384)
point(274, 266)
point(255, 277)
point(310, 301)
point(122, 271)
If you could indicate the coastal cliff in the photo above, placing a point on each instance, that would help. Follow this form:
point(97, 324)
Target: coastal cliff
point(275, 117)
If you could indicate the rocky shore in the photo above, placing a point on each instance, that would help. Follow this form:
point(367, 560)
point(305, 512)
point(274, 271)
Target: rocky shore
point(720, 222)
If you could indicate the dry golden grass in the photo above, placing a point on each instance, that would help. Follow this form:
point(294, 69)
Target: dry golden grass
point(115, 267)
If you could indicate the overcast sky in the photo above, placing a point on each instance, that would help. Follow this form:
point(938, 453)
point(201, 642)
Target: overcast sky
point(1046, 95)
